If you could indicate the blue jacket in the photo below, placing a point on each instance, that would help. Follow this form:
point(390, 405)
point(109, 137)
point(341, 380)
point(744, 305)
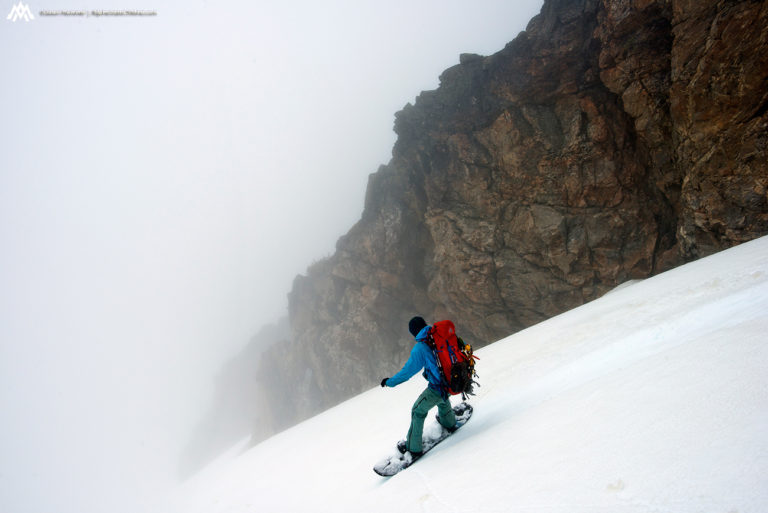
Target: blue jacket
point(421, 357)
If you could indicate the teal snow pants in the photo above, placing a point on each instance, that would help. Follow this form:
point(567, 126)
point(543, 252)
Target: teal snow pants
point(426, 401)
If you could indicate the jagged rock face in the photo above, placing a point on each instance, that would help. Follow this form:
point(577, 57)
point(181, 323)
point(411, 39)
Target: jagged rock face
point(700, 107)
point(719, 99)
point(609, 141)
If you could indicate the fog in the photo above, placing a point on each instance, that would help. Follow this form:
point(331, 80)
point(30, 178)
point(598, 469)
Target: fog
point(162, 181)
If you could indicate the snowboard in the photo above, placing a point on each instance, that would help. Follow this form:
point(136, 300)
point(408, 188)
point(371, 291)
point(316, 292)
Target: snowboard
point(433, 435)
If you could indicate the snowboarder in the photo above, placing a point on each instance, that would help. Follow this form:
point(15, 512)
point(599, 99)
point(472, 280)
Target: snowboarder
point(435, 394)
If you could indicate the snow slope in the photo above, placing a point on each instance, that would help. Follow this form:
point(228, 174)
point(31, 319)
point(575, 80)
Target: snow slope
point(653, 398)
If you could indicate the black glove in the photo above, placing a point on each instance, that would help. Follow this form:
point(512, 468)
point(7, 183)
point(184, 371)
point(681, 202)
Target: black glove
point(384, 382)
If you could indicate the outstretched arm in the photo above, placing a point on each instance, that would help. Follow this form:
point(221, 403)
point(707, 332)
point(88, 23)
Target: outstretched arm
point(414, 364)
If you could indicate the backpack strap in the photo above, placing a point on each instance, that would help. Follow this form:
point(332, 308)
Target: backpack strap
point(431, 344)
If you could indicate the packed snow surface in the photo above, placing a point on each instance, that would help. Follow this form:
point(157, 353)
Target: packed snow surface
point(653, 398)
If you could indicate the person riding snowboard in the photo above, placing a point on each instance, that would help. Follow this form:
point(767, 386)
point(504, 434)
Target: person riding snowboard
point(435, 394)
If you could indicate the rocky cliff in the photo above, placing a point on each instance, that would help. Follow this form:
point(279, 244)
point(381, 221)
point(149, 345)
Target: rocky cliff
point(611, 140)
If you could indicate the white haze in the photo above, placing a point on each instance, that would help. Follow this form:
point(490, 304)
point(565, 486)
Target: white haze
point(162, 180)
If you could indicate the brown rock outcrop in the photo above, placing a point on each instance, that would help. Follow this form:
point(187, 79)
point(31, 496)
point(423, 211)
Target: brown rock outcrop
point(611, 140)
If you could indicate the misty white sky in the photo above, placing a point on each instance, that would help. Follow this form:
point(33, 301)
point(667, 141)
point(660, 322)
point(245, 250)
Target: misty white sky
point(162, 181)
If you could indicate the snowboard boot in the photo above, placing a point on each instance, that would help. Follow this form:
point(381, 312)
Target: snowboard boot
point(459, 410)
point(449, 429)
point(415, 455)
point(404, 449)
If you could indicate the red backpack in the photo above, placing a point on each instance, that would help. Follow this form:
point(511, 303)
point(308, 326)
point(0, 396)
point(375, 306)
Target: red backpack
point(454, 358)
